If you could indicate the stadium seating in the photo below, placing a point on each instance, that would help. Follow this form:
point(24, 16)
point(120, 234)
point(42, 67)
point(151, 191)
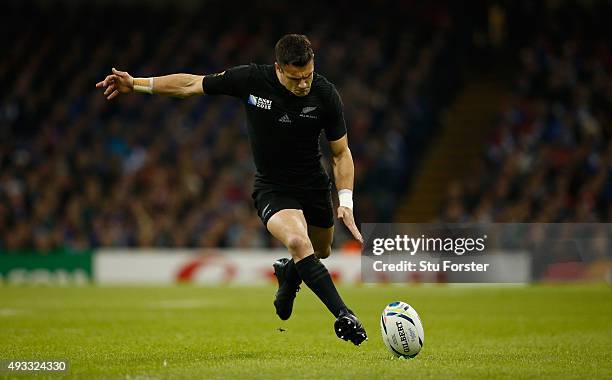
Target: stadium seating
point(549, 157)
point(78, 172)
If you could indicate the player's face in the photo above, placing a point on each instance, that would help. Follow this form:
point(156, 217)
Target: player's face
point(296, 79)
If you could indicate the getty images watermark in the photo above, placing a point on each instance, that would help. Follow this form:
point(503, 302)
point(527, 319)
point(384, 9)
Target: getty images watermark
point(477, 253)
point(407, 245)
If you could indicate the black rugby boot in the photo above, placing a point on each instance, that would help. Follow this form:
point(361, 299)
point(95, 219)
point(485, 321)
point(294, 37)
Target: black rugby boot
point(349, 328)
point(287, 288)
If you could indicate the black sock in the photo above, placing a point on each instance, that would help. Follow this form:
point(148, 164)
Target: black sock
point(316, 276)
point(292, 277)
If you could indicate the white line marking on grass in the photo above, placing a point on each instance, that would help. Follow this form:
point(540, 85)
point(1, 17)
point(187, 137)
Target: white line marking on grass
point(185, 304)
point(9, 312)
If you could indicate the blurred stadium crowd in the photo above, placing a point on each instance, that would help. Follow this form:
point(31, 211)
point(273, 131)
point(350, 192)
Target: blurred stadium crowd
point(549, 158)
point(77, 171)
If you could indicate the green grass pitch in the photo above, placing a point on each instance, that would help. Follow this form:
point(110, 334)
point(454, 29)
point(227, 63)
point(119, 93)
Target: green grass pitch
point(186, 332)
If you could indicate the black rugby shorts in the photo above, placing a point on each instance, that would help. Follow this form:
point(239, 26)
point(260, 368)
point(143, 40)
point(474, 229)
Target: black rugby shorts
point(315, 204)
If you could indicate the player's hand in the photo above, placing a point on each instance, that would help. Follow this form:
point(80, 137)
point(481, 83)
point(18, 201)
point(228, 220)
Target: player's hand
point(119, 82)
point(346, 214)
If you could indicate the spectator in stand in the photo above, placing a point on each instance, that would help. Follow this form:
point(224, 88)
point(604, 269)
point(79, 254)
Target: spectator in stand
point(550, 157)
point(76, 174)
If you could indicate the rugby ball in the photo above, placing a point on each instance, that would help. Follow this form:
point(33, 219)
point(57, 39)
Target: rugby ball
point(402, 330)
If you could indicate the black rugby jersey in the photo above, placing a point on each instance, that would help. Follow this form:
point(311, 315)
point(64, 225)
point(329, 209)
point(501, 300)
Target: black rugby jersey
point(283, 128)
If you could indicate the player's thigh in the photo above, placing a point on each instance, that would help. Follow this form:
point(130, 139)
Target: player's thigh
point(290, 228)
point(321, 239)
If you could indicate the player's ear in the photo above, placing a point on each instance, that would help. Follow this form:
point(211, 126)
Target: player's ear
point(278, 67)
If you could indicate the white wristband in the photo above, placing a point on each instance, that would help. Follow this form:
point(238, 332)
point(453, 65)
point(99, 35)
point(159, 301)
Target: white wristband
point(146, 89)
point(345, 196)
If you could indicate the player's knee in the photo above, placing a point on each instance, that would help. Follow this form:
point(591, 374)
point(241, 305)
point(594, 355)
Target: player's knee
point(298, 245)
point(323, 253)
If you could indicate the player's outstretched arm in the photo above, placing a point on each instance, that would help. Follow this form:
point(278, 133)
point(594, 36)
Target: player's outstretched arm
point(344, 173)
point(176, 85)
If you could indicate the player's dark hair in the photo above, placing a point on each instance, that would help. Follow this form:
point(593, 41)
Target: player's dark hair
point(293, 49)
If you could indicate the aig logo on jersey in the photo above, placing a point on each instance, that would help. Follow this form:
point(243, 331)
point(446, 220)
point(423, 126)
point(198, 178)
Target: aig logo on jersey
point(260, 102)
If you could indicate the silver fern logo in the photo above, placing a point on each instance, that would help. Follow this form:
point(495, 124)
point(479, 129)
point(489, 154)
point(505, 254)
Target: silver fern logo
point(306, 112)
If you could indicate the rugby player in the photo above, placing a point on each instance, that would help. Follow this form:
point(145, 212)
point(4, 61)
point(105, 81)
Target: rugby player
point(287, 106)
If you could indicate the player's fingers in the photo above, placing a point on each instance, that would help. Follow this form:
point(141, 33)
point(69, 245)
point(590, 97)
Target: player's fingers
point(350, 224)
point(109, 80)
point(349, 221)
point(104, 82)
point(113, 95)
point(357, 235)
point(110, 89)
point(119, 73)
